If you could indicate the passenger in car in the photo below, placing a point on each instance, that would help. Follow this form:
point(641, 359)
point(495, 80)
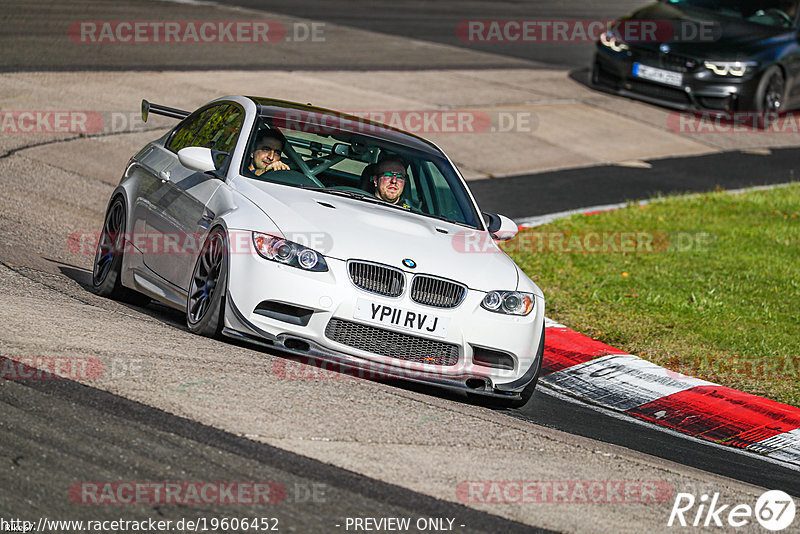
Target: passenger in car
point(390, 179)
point(266, 155)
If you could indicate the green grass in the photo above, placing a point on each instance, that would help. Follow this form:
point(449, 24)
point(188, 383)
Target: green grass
point(709, 286)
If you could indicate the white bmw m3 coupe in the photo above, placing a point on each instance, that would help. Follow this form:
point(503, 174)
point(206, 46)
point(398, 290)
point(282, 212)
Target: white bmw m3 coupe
point(327, 236)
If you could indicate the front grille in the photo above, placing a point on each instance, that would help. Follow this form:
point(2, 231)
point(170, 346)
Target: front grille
point(391, 344)
point(671, 62)
point(658, 91)
point(606, 78)
point(438, 292)
point(719, 103)
point(377, 278)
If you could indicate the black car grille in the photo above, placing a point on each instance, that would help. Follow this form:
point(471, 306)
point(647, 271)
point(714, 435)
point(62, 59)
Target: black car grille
point(606, 78)
point(656, 58)
point(719, 103)
point(437, 292)
point(658, 91)
point(376, 278)
point(391, 344)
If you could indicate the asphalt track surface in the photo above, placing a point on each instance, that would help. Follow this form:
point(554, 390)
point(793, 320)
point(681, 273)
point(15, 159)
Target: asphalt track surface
point(553, 192)
point(33, 31)
point(436, 21)
point(546, 409)
point(59, 431)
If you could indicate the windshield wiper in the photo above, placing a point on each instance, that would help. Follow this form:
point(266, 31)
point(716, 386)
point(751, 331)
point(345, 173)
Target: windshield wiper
point(445, 219)
point(367, 197)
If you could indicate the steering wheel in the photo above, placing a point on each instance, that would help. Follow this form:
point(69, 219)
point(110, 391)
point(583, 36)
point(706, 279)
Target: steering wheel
point(302, 165)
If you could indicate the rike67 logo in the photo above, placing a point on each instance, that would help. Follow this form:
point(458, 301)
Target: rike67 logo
point(774, 511)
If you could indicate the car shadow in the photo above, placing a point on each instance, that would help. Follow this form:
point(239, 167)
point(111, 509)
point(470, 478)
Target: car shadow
point(156, 310)
point(583, 77)
point(293, 366)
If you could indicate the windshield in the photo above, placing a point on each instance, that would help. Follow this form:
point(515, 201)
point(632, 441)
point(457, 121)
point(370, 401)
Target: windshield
point(358, 165)
point(780, 13)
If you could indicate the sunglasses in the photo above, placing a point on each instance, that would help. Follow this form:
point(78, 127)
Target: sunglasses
point(398, 176)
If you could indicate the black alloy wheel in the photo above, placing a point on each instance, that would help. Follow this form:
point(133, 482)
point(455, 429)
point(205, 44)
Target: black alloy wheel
point(107, 268)
point(770, 96)
point(205, 306)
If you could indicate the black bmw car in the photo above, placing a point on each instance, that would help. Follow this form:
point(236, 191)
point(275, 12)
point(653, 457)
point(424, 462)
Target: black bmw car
point(717, 55)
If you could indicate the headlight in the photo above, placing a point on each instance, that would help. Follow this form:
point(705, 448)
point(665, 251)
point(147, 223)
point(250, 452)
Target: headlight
point(729, 68)
point(289, 253)
point(612, 41)
point(508, 302)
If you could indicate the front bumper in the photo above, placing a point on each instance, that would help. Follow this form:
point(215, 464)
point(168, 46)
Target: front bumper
point(700, 89)
point(331, 295)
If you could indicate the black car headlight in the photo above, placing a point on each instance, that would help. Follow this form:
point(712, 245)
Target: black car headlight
point(508, 302)
point(609, 40)
point(729, 68)
point(289, 253)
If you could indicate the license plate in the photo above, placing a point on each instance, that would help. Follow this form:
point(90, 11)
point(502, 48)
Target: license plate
point(396, 317)
point(658, 75)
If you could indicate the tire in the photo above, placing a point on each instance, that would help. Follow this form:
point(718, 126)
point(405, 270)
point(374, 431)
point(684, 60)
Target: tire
point(205, 304)
point(770, 96)
point(529, 390)
point(107, 268)
point(595, 74)
point(525, 396)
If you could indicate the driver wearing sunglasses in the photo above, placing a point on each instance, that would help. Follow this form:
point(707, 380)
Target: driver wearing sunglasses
point(389, 180)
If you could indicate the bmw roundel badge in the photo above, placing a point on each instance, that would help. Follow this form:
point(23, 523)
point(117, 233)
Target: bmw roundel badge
point(408, 262)
point(664, 48)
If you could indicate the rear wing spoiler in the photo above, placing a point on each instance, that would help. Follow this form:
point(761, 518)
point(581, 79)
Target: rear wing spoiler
point(148, 108)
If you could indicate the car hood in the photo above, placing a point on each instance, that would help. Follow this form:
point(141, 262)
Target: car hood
point(732, 38)
point(345, 228)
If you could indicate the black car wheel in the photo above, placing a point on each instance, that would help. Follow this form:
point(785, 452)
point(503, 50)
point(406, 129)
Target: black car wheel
point(108, 258)
point(770, 96)
point(205, 307)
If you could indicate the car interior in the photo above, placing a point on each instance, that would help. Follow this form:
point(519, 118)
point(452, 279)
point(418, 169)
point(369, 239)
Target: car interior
point(345, 161)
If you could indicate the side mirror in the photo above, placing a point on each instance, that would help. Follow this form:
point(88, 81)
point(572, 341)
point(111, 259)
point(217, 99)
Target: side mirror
point(145, 110)
point(500, 227)
point(197, 158)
